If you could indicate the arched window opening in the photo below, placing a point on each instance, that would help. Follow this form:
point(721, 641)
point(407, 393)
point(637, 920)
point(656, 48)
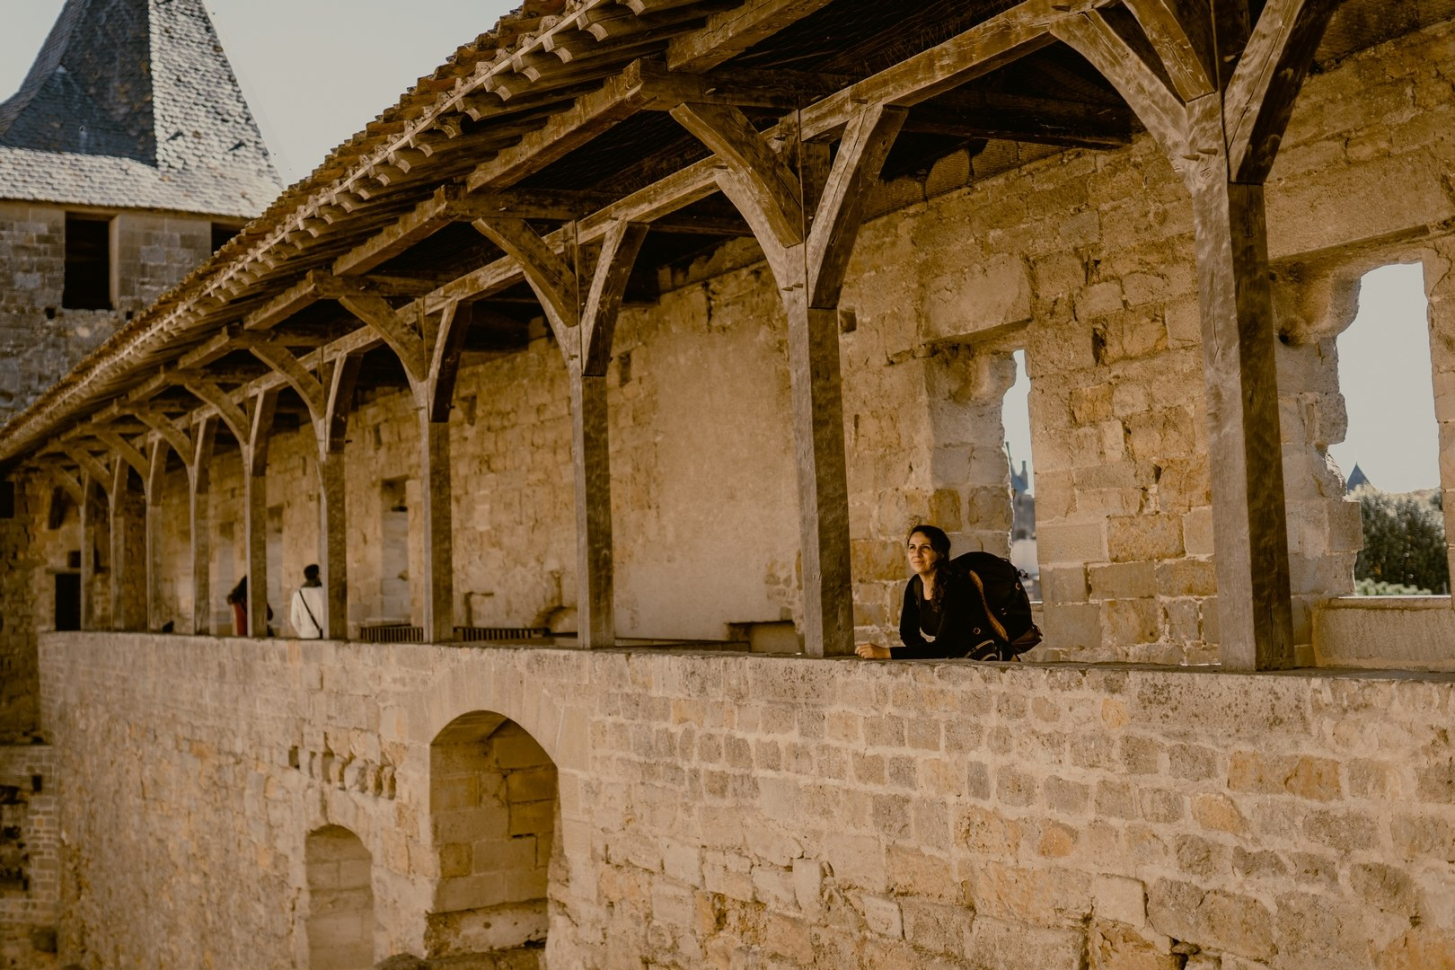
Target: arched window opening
point(1390, 454)
point(493, 804)
point(340, 921)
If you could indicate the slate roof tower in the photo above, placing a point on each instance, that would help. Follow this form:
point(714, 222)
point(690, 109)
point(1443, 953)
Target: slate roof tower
point(126, 156)
point(132, 103)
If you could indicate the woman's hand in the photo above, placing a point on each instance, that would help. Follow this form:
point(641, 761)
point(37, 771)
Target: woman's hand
point(872, 651)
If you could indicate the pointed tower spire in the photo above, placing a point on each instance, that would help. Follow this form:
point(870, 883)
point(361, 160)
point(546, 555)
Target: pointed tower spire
point(132, 103)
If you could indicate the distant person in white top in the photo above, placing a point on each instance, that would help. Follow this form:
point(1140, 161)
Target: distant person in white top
point(308, 607)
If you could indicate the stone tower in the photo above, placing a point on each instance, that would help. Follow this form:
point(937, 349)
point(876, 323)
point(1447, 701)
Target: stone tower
point(127, 156)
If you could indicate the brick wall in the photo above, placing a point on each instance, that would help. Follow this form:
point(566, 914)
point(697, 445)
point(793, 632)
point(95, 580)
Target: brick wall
point(731, 810)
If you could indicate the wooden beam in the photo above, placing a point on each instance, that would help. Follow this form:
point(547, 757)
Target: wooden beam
point(608, 285)
point(765, 190)
point(731, 32)
point(855, 172)
point(233, 416)
point(620, 97)
point(342, 380)
point(552, 280)
point(782, 90)
point(427, 218)
point(280, 359)
point(696, 182)
point(179, 440)
point(98, 473)
point(294, 300)
point(255, 511)
point(1181, 31)
point(125, 451)
point(213, 349)
point(71, 486)
point(554, 206)
point(393, 329)
point(1259, 100)
point(1158, 108)
point(1245, 450)
point(993, 115)
point(199, 511)
point(444, 365)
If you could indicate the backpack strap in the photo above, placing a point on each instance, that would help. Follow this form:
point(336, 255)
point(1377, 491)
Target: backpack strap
point(989, 614)
point(304, 600)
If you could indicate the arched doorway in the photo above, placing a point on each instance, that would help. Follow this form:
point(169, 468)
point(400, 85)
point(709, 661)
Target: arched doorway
point(340, 921)
point(493, 806)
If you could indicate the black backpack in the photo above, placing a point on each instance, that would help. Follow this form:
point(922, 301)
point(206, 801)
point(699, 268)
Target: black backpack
point(998, 582)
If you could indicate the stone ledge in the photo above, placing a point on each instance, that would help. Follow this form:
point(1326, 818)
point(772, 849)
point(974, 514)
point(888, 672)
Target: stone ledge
point(1385, 632)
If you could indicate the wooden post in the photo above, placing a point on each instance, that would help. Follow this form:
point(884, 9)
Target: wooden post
point(595, 571)
point(127, 511)
point(435, 496)
point(157, 463)
point(333, 545)
point(200, 536)
point(255, 511)
point(90, 507)
point(1245, 453)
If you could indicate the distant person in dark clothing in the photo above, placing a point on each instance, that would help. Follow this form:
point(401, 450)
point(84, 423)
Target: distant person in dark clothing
point(238, 600)
point(945, 613)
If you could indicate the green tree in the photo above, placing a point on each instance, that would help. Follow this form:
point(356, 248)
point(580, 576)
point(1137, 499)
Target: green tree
point(1404, 541)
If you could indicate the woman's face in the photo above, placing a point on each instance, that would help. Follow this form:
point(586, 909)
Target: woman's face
point(922, 556)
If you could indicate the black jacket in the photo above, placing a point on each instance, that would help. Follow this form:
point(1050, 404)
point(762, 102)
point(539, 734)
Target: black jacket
point(962, 627)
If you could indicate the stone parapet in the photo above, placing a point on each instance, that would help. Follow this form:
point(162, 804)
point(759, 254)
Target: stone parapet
point(720, 810)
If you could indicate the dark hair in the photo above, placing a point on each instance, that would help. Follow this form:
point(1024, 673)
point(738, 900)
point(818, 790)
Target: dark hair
point(310, 573)
point(940, 543)
point(239, 592)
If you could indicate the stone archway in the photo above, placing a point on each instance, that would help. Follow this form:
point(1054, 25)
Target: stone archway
point(340, 921)
point(493, 810)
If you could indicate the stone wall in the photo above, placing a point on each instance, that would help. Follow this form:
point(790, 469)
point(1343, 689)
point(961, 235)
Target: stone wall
point(20, 554)
point(40, 341)
point(732, 810)
point(30, 872)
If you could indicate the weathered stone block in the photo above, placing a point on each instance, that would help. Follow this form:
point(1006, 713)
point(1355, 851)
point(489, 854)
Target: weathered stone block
point(1138, 538)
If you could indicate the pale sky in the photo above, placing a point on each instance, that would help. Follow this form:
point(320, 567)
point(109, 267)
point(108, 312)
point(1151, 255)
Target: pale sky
point(1384, 368)
point(339, 63)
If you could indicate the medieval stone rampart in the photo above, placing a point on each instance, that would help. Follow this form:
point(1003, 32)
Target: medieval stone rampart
point(722, 810)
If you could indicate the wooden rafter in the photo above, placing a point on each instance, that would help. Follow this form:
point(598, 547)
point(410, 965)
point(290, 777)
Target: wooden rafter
point(731, 32)
point(163, 426)
point(393, 328)
point(231, 414)
point(762, 185)
point(69, 484)
point(552, 280)
point(281, 359)
point(1181, 30)
point(619, 251)
point(98, 473)
point(1259, 100)
point(125, 451)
